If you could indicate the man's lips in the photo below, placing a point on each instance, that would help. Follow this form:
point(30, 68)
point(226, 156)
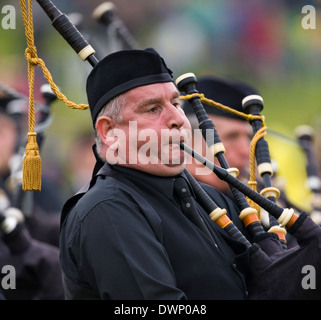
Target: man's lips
point(176, 139)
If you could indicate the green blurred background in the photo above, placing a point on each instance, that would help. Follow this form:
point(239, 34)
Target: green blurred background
point(257, 41)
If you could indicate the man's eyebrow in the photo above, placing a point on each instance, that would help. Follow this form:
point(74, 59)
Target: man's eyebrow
point(176, 95)
point(152, 101)
point(149, 102)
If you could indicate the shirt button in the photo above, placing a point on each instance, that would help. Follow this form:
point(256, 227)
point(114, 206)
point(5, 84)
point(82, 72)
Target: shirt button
point(184, 190)
point(188, 205)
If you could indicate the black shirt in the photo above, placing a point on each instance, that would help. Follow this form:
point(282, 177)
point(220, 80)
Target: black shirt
point(127, 238)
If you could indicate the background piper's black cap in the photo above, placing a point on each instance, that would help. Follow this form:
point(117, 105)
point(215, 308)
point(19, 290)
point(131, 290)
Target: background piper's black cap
point(4, 100)
point(121, 71)
point(227, 92)
point(11, 106)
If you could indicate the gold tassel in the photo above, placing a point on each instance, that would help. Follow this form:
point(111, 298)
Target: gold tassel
point(31, 166)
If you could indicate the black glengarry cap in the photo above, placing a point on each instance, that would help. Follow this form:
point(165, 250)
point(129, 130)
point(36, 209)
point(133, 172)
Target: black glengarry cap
point(224, 91)
point(122, 71)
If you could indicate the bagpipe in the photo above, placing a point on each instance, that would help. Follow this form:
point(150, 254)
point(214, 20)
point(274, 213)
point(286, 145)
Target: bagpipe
point(274, 271)
point(105, 13)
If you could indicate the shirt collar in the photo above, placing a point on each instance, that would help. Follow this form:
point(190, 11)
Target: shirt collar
point(156, 184)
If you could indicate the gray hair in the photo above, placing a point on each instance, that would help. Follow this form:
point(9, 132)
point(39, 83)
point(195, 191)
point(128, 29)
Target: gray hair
point(113, 109)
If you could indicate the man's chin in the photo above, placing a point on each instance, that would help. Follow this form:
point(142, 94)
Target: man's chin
point(163, 170)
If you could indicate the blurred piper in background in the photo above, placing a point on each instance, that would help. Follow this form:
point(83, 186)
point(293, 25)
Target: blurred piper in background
point(28, 233)
point(235, 132)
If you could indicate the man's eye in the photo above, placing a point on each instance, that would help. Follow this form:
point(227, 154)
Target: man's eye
point(152, 110)
point(177, 105)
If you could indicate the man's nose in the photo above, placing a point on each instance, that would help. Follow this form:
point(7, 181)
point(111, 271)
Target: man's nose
point(175, 118)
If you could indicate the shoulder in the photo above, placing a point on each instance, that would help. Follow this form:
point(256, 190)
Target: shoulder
point(92, 209)
point(107, 190)
point(109, 199)
point(107, 208)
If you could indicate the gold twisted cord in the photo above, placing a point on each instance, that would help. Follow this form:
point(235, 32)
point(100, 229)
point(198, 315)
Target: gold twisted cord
point(34, 60)
point(252, 181)
point(54, 88)
point(32, 162)
point(221, 106)
point(258, 135)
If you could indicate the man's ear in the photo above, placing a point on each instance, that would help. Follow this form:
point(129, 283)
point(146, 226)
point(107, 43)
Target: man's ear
point(104, 127)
